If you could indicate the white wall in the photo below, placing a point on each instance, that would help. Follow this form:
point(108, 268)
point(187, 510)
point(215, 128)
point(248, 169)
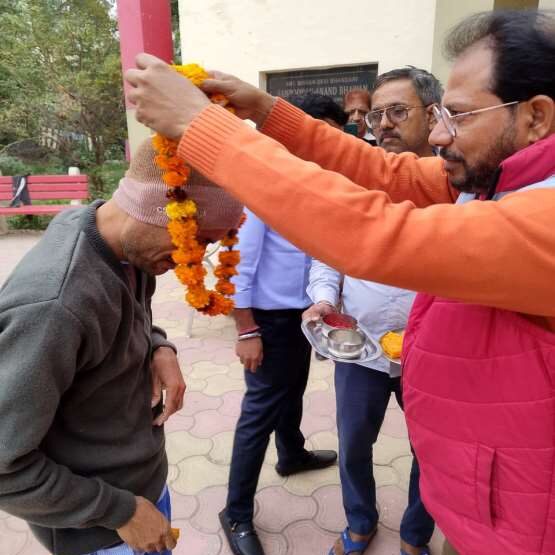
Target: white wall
point(546, 4)
point(246, 37)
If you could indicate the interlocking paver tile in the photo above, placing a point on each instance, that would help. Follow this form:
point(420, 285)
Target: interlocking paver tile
point(179, 422)
point(206, 369)
point(393, 502)
point(210, 502)
point(385, 476)
point(323, 440)
point(180, 445)
point(231, 403)
point(208, 423)
point(313, 424)
point(330, 515)
point(402, 466)
point(388, 448)
point(320, 403)
point(197, 473)
point(394, 425)
point(305, 537)
point(183, 506)
point(218, 385)
point(273, 518)
point(12, 541)
point(195, 542)
point(196, 401)
point(306, 483)
point(222, 444)
point(317, 385)
point(269, 477)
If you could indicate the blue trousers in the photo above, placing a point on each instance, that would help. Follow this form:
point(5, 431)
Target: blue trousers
point(164, 506)
point(362, 396)
point(273, 402)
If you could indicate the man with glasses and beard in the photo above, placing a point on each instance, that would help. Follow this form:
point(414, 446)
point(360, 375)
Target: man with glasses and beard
point(479, 352)
point(401, 119)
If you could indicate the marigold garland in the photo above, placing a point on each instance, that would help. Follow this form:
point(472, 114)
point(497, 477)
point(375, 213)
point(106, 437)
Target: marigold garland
point(183, 225)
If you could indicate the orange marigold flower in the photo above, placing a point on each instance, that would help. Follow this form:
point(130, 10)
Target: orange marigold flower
point(225, 272)
point(190, 275)
point(225, 287)
point(229, 258)
point(197, 297)
point(173, 179)
point(187, 257)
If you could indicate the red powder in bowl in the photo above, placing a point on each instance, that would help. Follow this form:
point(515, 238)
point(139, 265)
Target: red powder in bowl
point(343, 321)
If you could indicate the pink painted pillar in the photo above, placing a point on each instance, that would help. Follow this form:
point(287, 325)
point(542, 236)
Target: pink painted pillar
point(144, 26)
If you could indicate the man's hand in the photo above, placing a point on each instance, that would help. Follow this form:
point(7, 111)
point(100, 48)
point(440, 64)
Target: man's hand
point(148, 530)
point(250, 353)
point(249, 102)
point(317, 311)
point(167, 375)
point(165, 101)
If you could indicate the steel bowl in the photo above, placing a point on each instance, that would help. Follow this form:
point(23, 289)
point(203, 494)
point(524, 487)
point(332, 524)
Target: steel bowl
point(346, 343)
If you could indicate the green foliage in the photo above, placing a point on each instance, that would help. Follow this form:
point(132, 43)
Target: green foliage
point(60, 73)
point(14, 166)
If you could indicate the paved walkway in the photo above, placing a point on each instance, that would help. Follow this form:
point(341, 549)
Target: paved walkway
point(300, 515)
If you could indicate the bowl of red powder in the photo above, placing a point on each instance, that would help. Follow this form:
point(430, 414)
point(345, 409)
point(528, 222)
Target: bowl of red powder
point(338, 321)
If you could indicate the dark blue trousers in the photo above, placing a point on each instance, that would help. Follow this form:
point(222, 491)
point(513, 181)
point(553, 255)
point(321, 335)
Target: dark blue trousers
point(362, 396)
point(273, 402)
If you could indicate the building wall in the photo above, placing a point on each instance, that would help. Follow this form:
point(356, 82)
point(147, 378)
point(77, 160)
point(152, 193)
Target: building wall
point(448, 13)
point(250, 37)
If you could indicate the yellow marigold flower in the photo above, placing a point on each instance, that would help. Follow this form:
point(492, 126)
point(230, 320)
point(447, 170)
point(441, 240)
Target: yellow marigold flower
point(193, 72)
point(185, 209)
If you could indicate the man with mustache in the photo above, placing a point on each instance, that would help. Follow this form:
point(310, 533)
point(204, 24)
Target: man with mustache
point(402, 101)
point(474, 232)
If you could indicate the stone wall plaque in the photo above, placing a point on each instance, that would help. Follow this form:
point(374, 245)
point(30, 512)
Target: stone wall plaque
point(334, 81)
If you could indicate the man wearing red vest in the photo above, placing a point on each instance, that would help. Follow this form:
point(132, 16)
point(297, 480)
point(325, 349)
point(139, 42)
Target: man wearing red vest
point(473, 232)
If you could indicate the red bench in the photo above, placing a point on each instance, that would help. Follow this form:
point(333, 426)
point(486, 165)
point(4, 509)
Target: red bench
point(45, 187)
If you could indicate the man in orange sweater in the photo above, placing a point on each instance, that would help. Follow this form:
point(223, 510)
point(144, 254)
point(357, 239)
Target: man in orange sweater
point(483, 413)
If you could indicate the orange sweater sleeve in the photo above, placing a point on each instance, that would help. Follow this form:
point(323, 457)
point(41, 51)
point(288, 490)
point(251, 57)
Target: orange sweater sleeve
point(403, 177)
point(499, 254)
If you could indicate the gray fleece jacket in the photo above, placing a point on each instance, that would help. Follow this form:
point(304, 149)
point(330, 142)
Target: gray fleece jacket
point(76, 436)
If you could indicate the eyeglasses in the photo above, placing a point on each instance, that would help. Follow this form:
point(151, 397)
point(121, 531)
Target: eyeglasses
point(444, 115)
point(395, 114)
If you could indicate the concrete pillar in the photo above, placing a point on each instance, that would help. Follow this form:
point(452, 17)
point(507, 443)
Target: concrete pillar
point(144, 26)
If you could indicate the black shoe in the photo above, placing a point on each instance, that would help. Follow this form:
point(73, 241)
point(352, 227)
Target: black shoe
point(312, 461)
point(241, 536)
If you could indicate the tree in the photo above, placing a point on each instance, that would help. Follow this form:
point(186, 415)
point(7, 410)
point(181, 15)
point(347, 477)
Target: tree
point(60, 72)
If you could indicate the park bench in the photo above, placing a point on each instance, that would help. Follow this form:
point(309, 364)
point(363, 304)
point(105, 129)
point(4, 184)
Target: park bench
point(44, 187)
